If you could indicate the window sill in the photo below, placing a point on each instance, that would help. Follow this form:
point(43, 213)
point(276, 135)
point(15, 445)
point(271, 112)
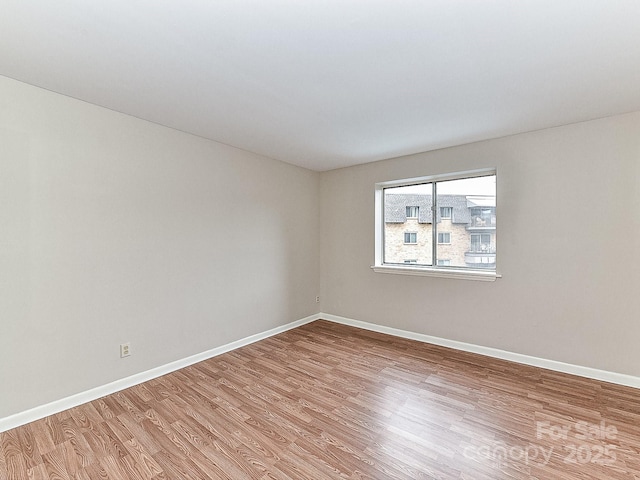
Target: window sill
point(460, 274)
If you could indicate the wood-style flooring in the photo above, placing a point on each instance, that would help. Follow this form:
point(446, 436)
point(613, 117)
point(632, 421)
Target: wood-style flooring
point(326, 401)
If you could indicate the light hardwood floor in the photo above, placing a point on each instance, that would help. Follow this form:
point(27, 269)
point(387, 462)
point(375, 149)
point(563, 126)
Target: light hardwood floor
point(328, 401)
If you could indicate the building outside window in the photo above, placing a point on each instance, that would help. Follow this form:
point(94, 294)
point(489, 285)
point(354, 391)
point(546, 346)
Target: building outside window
point(411, 237)
point(481, 242)
point(444, 238)
point(412, 212)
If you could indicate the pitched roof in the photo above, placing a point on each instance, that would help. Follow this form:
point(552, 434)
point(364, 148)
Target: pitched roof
point(395, 207)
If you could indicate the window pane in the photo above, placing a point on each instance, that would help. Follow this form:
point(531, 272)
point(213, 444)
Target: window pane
point(407, 224)
point(471, 223)
point(410, 237)
point(444, 238)
point(445, 212)
point(412, 212)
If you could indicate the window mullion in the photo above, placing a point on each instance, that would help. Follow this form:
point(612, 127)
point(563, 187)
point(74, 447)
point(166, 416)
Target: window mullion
point(434, 222)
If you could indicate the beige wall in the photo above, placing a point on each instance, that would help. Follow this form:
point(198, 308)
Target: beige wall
point(113, 229)
point(568, 229)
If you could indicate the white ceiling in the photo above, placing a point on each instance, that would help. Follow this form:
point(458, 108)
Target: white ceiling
point(330, 83)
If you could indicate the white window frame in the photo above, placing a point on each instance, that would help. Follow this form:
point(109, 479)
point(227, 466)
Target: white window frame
point(444, 233)
point(379, 266)
point(417, 210)
point(410, 233)
point(448, 217)
point(480, 242)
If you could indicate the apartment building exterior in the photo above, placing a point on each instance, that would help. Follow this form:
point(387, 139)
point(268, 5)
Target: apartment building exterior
point(465, 227)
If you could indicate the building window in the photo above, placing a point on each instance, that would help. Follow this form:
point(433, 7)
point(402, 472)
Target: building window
point(481, 243)
point(412, 212)
point(467, 201)
point(410, 237)
point(444, 238)
point(483, 216)
point(412, 261)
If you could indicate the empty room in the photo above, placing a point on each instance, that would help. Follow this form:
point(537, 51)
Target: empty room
point(320, 240)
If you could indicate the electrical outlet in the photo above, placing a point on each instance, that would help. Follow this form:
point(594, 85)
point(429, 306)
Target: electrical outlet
point(125, 350)
point(318, 299)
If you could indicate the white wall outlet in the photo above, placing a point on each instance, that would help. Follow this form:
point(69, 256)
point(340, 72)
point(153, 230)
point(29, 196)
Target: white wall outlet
point(125, 350)
point(318, 299)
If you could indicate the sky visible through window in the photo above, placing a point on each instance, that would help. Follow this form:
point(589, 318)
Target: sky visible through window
point(468, 186)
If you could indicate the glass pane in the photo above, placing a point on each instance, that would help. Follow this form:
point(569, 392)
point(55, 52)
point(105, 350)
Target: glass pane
point(471, 223)
point(412, 212)
point(408, 216)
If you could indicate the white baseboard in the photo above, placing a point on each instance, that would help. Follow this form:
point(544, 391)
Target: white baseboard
point(588, 372)
point(36, 413)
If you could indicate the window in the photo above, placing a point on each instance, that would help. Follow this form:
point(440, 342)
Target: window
point(483, 217)
point(461, 237)
point(412, 212)
point(481, 242)
point(444, 238)
point(410, 237)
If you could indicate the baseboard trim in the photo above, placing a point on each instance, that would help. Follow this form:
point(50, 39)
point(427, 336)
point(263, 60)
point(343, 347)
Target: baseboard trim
point(57, 406)
point(587, 372)
point(36, 413)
